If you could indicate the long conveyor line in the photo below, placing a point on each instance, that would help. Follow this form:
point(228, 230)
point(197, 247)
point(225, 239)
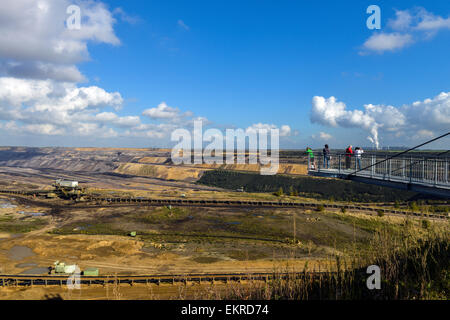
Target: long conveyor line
point(60, 280)
point(238, 203)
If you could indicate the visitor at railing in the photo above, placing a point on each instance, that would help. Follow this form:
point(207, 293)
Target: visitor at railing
point(348, 156)
point(326, 156)
point(358, 152)
point(311, 160)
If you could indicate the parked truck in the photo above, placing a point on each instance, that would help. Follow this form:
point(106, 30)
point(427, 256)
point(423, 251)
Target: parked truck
point(60, 268)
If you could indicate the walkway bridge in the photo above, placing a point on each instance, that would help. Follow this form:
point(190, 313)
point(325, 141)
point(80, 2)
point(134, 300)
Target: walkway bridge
point(423, 172)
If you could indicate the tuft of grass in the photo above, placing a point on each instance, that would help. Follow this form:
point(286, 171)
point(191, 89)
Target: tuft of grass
point(205, 259)
point(413, 266)
point(164, 214)
point(426, 224)
point(88, 228)
point(13, 226)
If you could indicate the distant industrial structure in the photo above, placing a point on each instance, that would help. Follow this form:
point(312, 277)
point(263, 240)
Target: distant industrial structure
point(67, 190)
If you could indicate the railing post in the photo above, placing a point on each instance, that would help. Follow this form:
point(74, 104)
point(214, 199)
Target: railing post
point(373, 167)
point(385, 168)
point(423, 169)
point(435, 171)
point(318, 164)
point(339, 163)
point(403, 167)
point(410, 169)
point(390, 169)
point(446, 170)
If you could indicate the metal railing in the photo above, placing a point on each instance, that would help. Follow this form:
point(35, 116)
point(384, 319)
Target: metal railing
point(409, 169)
point(405, 166)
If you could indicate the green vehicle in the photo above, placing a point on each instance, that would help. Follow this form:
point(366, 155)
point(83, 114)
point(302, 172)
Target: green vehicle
point(90, 272)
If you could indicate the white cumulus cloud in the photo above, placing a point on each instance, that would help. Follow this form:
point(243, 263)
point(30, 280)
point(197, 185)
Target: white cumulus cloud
point(284, 130)
point(419, 119)
point(381, 42)
point(322, 136)
point(162, 111)
point(409, 26)
point(35, 42)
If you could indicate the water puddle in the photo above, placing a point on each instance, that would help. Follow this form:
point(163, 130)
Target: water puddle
point(81, 228)
point(17, 253)
point(36, 271)
point(26, 265)
point(4, 236)
point(7, 205)
point(34, 214)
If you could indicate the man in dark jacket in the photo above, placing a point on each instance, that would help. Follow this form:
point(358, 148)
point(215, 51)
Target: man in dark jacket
point(326, 156)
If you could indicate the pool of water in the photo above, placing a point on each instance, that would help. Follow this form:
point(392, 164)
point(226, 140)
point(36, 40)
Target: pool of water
point(7, 205)
point(26, 265)
point(234, 222)
point(31, 213)
point(5, 236)
point(17, 253)
point(36, 271)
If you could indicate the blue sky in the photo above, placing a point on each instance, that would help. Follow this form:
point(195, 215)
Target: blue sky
point(241, 63)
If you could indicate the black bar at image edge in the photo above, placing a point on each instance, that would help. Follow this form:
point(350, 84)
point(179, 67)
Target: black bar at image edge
point(175, 309)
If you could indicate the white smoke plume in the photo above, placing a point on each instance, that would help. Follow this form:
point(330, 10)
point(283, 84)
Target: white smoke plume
point(430, 115)
point(331, 112)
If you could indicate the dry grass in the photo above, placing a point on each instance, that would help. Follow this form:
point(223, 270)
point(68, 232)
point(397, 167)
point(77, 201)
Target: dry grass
point(414, 265)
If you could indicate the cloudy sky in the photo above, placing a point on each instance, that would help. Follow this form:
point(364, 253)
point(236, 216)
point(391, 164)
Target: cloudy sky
point(134, 71)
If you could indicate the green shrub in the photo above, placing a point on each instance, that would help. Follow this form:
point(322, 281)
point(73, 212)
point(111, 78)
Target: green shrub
point(426, 224)
point(380, 213)
point(291, 191)
point(320, 208)
point(279, 192)
point(413, 206)
point(343, 210)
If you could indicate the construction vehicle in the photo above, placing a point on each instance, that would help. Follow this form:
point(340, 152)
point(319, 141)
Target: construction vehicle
point(62, 268)
point(68, 190)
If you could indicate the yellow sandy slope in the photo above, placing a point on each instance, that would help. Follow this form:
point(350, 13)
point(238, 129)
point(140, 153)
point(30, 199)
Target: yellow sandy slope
point(153, 160)
point(160, 172)
point(194, 172)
